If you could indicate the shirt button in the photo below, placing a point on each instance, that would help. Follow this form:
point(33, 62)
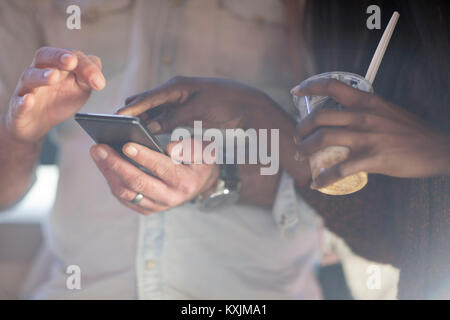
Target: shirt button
point(167, 60)
point(92, 15)
point(260, 19)
point(149, 264)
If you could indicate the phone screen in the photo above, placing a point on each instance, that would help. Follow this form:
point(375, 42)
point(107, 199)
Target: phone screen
point(117, 130)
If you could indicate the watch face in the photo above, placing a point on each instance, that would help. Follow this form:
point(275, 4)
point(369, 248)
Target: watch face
point(226, 198)
point(227, 189)
point(222, 196)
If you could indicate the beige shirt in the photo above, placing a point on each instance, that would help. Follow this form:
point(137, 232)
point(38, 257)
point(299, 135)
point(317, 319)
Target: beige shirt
point(236, 252)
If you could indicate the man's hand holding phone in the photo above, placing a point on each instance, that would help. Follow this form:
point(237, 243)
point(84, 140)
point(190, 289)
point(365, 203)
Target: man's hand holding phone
point(172, 184)
point(221, 103)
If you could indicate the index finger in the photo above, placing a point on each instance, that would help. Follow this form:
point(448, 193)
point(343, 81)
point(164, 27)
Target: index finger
point(169, 93)
point(339, 91)
point(88, 71)
point(159, 164)
point(49, 57)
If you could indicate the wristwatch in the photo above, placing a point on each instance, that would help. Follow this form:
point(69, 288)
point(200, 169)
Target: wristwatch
point(226, 191)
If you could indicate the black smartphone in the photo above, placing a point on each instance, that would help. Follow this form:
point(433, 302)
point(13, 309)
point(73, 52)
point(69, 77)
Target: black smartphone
point(117, 130)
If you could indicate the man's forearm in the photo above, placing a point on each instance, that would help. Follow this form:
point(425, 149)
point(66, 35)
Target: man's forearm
point(18, 162)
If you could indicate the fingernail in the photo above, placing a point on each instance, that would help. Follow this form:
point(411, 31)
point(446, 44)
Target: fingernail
point(23, 99)
point(101, 153)
point(98, 81)
point(296, 89)
point(176, 152)
point(118, 110)
point(47, 74)
point(65, 58)
point(131, 151)
point(154, 126)
point(314, 185)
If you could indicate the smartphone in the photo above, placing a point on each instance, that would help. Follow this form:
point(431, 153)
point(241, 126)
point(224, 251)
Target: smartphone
point(117, 130)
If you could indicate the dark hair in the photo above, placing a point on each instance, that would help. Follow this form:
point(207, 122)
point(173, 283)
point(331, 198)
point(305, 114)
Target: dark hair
point(415, 72)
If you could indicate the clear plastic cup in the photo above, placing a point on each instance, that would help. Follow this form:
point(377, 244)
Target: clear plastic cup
point(330, 156)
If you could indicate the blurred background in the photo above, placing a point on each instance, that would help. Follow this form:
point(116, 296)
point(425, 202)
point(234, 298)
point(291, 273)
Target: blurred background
point(20, 226)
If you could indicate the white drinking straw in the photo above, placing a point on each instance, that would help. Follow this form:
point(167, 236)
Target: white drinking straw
point(381, 49)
